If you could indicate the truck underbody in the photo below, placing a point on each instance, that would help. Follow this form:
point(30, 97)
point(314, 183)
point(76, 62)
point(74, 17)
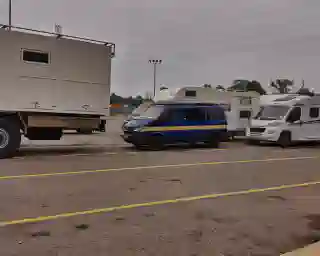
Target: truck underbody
point(41, 126)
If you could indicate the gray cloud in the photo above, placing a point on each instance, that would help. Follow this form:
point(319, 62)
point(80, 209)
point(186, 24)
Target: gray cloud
point(200, 41)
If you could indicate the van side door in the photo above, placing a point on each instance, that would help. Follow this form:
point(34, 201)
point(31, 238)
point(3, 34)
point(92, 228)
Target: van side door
point(310, 123)
point(295, 123)
point(184, 124)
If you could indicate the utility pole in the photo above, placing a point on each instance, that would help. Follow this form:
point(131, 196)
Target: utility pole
point(10, 14)
point(155, 63)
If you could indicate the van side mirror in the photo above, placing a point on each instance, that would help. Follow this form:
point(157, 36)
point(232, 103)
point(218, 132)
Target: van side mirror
point(297, 122)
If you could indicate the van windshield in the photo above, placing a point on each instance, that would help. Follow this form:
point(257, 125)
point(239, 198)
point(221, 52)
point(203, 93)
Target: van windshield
point(141, 109)
point(272, 112)
point(152, 112)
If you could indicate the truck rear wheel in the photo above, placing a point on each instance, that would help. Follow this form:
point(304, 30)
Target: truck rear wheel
point(10, 137)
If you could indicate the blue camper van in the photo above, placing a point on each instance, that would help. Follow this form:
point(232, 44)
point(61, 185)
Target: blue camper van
point(168, 123)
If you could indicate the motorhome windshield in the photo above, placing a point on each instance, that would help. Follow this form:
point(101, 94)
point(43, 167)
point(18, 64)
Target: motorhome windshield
point(272, 112)
point(153, 111)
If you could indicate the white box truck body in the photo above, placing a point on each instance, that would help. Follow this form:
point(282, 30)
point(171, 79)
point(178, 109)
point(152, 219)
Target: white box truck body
point(51, 82)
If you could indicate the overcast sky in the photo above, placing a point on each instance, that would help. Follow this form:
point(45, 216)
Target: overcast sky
point(203, 41)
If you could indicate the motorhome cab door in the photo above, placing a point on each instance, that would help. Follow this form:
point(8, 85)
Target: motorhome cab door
point(310, 125)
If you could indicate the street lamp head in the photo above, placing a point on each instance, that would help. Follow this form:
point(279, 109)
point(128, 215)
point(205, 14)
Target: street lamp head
point(155, 61)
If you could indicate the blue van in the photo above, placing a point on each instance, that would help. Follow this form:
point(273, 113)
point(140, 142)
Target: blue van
point(167, 123)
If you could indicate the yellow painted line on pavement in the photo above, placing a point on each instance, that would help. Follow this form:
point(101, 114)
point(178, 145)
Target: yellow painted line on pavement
point(155, 203)
point(150, 167)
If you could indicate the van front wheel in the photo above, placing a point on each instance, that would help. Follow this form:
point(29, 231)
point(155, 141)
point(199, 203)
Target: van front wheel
point(156, 142)
point(285, 139)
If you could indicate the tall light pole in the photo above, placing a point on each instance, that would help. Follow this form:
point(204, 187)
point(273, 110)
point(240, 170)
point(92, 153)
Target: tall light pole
point(10, 14)
point(155, 63)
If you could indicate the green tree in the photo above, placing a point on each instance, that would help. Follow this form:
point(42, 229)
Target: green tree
point(220, 88)
point(247, 85)
point(282, 85)
point(115, 99)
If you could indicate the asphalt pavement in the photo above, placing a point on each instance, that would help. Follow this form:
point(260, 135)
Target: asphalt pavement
point(115, 200)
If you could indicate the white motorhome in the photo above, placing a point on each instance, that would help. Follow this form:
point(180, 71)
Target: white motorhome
point(239, 106)
point(50, 82)
point(286, 118)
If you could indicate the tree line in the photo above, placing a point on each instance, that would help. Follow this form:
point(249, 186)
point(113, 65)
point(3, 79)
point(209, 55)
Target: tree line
point(279, 85)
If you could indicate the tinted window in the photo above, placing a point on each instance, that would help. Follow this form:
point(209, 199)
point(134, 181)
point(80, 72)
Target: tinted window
point(314, 112)
point(191, 94)
point(245, 114)
point(185, 114)
point(294, 115)
point(195, 114)
point(215, 113)
point(35, 56)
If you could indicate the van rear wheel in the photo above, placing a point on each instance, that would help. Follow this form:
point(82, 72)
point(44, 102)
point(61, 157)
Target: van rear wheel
point(214, 141)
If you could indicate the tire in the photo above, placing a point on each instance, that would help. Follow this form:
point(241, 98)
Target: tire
point(156, 142)
point(214, 141)
point(10, 137)
point(226, 137)
point(84, 131)
point(285, 139)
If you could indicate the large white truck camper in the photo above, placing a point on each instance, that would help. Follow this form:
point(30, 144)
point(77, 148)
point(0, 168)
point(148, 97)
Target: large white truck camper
point(50, 82)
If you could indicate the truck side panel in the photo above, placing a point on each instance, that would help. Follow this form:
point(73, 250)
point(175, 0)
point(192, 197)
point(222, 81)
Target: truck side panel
point(76, 78)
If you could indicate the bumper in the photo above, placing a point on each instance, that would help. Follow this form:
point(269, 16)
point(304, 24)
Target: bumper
point(134, 138)
point(267, 135)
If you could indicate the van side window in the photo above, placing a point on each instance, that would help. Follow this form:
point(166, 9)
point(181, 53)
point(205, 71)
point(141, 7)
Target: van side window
point(194, 114)
point(295, 115)
point(245, 114)
point(314, 112)
point(185, 114)
point(214, 113)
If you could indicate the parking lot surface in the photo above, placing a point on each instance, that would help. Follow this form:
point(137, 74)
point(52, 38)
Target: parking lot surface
point(113, 200)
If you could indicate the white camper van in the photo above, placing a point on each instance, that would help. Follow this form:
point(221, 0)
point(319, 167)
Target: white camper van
point(287, 118)
point(50, 82)
point(239, 106)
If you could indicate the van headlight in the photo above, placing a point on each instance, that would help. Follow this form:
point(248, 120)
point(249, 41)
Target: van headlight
point(138, 129)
